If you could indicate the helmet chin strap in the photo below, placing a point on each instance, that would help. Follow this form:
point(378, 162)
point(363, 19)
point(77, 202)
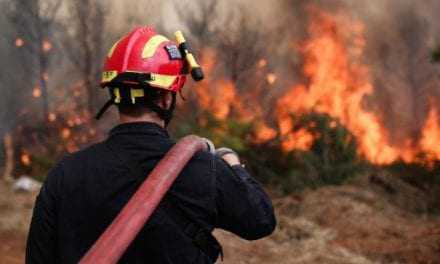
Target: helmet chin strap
point(104, 108)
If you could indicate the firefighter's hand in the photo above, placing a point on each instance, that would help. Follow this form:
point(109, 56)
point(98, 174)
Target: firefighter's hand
point(210, 145)
point(228, 155)
point(231, 159)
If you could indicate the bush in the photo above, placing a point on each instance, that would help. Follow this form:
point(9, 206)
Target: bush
point(332, 158)
point(229, 133)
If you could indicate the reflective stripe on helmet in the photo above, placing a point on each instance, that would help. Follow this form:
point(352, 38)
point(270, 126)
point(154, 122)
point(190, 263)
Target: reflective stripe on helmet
point(162, 81)
point(152, 45)
point(108, 76)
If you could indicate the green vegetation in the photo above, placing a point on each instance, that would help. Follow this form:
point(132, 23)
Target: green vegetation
point(331, 159)
point(230, 132)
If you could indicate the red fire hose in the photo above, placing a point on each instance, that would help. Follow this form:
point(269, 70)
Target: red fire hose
point(118, 236)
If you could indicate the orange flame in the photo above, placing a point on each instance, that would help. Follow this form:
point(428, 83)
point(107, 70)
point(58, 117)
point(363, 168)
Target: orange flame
point(52, 117)
point(262, 63)
point(65, 133)
point(338, 85)
point(430, 142)
point(219, 97)
point(46, 46)
point(271, 78)
point(264, 133)
point(25, 159)
point(19, 42)
point(36, 92)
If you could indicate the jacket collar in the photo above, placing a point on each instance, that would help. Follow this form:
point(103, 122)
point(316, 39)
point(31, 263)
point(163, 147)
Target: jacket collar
point(139, 128)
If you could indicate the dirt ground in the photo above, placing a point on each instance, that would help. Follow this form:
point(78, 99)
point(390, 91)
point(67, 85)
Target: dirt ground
point(15, 214)
point(359, 223)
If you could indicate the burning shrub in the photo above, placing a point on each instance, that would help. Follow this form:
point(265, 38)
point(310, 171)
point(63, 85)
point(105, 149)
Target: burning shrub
point(301, 107)
point(39, 145)
point(331, 157)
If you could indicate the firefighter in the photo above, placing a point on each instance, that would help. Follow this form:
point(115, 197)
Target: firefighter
point(85, 191)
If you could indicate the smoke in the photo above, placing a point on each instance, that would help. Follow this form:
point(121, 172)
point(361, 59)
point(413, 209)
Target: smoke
point(257, 49)
point(400, 36)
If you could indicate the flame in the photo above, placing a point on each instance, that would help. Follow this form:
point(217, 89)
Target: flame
point(36, 92)
point(67, 116)
point(338, 85)
point(217, 96)
point(19, 42)
point(52, 117)
point(92, 132)
point(262, 63)
point(430, 142)
point(271, 78)
point(71, 147)
point(25, 159)
point(65, 133)
point(221, 108)
point(71, 122)
point(264, 133)
point(300, 139)
point(46, 46)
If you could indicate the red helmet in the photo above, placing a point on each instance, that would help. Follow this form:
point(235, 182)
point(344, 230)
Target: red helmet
point(145, 58)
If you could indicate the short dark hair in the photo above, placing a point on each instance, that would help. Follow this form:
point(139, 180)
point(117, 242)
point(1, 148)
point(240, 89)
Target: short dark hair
point(141, 107)
point(135, 110)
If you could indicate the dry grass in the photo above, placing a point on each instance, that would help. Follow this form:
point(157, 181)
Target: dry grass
point(15, 214)
point(360, 223)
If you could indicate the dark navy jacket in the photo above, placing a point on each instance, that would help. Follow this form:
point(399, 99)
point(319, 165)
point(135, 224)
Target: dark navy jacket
point(85, 191)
